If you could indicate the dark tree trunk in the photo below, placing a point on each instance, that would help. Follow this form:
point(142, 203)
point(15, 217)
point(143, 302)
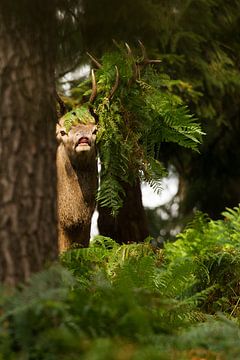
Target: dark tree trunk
point(27, 140)
point(131, 223)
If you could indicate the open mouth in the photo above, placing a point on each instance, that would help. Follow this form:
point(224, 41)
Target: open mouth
point(83, 141)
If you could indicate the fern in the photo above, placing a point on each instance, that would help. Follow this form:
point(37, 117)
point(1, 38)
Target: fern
point(77, 115)
point(142, 114)
point(151, 303)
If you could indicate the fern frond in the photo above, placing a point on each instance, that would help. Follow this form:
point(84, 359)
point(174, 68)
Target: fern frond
point(142, 114)
point(111, 194)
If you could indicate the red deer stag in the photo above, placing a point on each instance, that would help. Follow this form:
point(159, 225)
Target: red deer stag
point(77, 177)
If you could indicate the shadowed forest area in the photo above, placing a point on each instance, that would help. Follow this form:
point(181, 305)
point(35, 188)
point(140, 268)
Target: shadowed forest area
point(124, 93)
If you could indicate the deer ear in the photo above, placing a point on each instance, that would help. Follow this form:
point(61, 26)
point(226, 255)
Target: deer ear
point(59, 130)
point(95, 129)
point(62, 106)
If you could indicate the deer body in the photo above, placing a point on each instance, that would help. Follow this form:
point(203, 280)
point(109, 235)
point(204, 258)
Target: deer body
point(76, 184)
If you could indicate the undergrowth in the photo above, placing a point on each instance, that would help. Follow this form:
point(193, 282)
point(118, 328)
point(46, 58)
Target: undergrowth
point(132, 301)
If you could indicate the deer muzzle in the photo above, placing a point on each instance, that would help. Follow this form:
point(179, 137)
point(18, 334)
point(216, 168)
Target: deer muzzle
point(83, 143)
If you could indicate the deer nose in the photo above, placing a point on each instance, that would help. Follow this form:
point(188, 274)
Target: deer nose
point(82, 134)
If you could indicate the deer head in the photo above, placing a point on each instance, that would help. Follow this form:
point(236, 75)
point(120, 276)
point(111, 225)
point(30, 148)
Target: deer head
point(78, 141)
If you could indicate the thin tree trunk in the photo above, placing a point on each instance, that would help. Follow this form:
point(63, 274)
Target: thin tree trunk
point(28, 237)
point(130, 225)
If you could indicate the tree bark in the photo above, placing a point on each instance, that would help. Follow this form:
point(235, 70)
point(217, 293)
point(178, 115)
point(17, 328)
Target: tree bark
point(28, 235)
point(130, 225)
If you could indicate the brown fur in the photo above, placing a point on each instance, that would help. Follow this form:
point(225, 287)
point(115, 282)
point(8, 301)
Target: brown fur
point(77, 184)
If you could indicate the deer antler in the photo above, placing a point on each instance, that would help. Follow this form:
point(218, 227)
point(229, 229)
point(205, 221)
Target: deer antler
point(94, 83)
point(93, 97)
point(115, 86)
point(135, 68)
point(63, 108)
point(94, 87)
point(95, 61)
point(146, 60)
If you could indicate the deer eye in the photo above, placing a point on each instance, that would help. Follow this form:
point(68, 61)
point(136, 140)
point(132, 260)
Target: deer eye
point(95, 131)
point(62, 132)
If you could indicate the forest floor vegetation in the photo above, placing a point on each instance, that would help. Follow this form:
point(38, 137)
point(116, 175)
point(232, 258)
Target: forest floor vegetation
point(132, 302)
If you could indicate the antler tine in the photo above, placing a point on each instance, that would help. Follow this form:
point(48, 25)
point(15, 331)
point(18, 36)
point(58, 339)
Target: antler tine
point(143, 49)
point(95, 61)
point(115, 86)
point(155, 61)
point(145, 60)
point(129, 50)
point(94, 87)
point(115, 43)
point(134, 65)
point(63, 108)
